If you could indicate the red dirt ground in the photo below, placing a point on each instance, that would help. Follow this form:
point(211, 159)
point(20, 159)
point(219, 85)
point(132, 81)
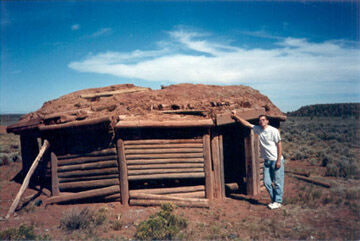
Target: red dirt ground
point(238, 216)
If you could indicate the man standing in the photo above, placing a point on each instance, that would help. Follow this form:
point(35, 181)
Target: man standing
point(270, 148)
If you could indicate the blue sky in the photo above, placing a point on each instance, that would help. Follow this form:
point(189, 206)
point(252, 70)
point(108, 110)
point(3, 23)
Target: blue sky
point(297, 53)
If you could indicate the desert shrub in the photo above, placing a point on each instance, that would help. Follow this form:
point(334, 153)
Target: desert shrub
point(343, 168)
point(162, 225)
point(23, 232)
point(76, 219)
point(117, 224)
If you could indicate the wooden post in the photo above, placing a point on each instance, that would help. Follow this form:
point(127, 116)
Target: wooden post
point(222, 174)
point(25, 184)
point(207, 166)
point(257, 161)
point(124, 182)
point(216, 165)
point(251, 182)
point(54, 175)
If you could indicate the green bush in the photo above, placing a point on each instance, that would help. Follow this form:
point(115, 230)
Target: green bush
point(76, 219)
point(24, 232)
point(164, 225)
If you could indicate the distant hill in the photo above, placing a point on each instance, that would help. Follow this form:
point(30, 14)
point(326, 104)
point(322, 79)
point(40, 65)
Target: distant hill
point(338, 110)
point(9, 119)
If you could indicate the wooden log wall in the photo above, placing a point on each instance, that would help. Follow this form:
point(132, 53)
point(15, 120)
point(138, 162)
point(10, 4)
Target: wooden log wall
point(150, 159)
point(251, 165)
point(87, 171)
point(260, 164)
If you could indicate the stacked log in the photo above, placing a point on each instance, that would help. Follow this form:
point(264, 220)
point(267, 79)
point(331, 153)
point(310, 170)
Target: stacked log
point(192, 196)
point(98, 169)
point(164, 158)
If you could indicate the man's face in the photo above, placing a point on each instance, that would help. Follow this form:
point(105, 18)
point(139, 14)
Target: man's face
point(263, 121)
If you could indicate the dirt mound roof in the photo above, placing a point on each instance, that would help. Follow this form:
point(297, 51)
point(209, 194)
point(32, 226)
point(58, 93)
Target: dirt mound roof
point(192, 101)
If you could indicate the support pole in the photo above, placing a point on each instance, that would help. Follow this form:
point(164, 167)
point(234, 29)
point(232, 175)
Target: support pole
point(207, 166)
point(25, 184)
point(124, 182)
point(54, 175)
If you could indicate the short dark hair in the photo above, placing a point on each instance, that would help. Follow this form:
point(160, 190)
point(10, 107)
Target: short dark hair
point(266, 117)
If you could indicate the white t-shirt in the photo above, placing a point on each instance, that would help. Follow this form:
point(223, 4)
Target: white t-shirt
point(268, 139)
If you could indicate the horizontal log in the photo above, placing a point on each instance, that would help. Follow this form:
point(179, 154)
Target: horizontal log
point(165, 124)
point(305, 174)
point(83, 160)
point(167, 165)
point(75, 124)
point(170, 190)
point(163, 151)
point(184, 112)
point(310, 180)
point(104, 152)
point(113, 197)
point(163, 146)
point(199, 194)
point(247, 114)
point(85, 194)
point(88, 166)
point(168, 176)
point(160, 171)
point(143, 202)
point(161, 141)
point(150, 196)
point(94, 172)
point(89, 184)
point(164, 161)
point(232, 186)
point(115, 92)
point(162, 156)
point(87, 178)
point(22, 125)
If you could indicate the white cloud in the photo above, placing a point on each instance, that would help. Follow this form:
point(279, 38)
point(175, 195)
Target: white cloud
point(102, 31)
point(75, 27)
point(195, 59)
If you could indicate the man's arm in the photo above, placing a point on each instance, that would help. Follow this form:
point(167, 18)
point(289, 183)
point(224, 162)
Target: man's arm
point(241, 120)
point(279, 152)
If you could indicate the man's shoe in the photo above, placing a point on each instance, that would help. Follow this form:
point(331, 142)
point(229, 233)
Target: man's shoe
point(270, 205)
point(275, 205)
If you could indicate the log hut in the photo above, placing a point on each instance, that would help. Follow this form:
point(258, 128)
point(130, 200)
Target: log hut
point(146, 147)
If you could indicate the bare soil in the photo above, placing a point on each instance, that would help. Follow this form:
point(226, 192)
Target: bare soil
point(237, 217)
point(211, 99)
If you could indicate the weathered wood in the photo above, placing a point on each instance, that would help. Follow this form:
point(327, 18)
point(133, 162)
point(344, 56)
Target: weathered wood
point(54, 175)
point(163, 156)
point(75, 124)
point(143, 202)
point(116, 92)
point(25, 184)
point(161, 141)
point(305, 174)
point(247, 114)
point(232, 186)
point(89, 184)
point(124, 181)
point(170, 190)
point(160, 171)
point(83, 160)
point(163, 146)
point(168, 176)
point(222, 171)
point(94, 172)
point(87, 178)
point(216, 166)
point(251, 182)
point(29, 150)
point(164, 161)
point(21, 126)
point(310, 180)
point(207, 166)
point(85, 194)
point(199, 194)
point(166, 166)
point(184, 112)
point(150, 196)
point(161, 151)
point(104, 152)
point(256, 147)
point(165, 124)
point(88, 166)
